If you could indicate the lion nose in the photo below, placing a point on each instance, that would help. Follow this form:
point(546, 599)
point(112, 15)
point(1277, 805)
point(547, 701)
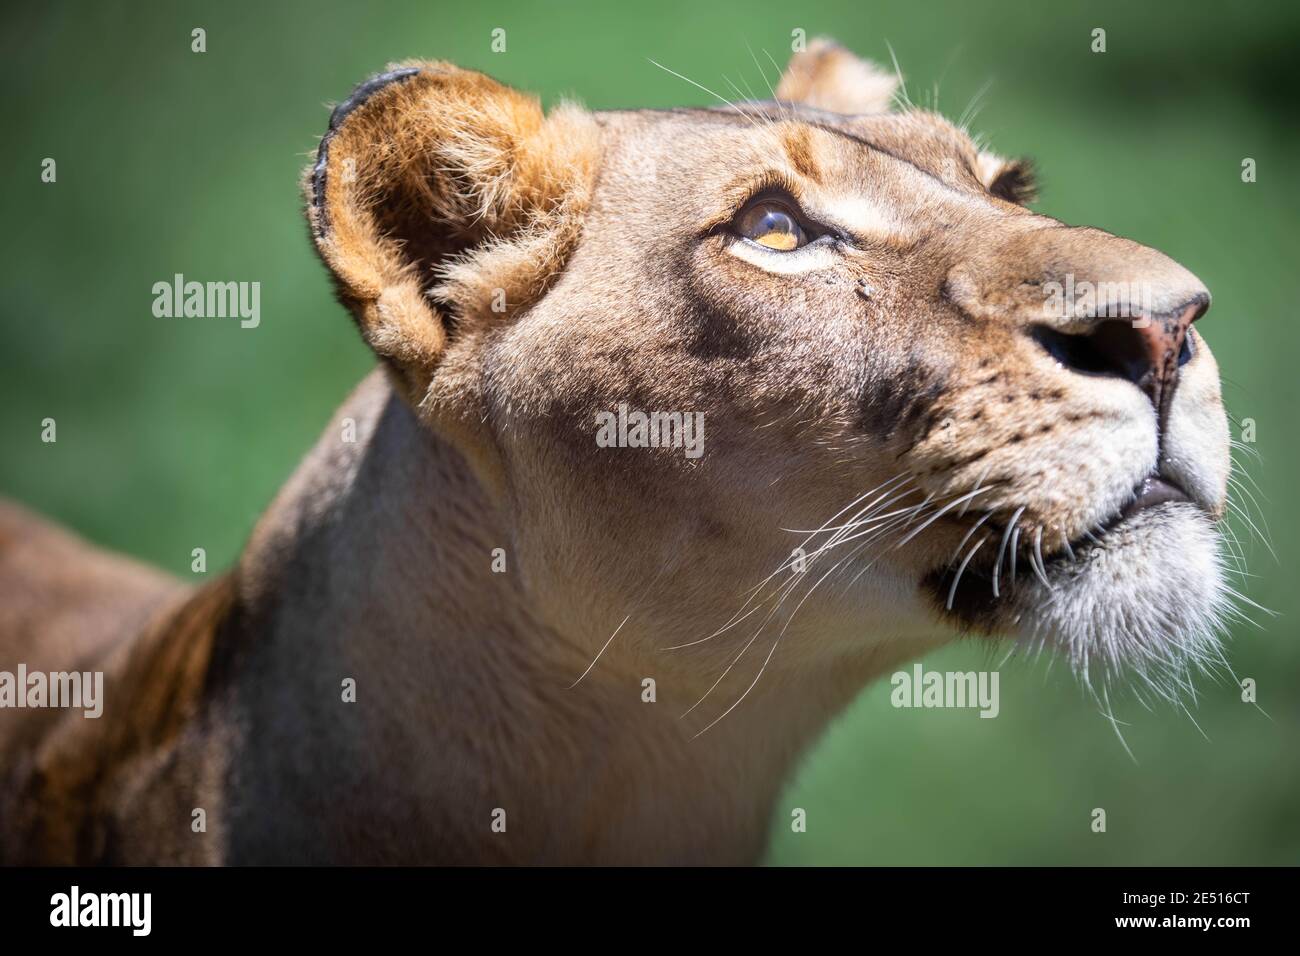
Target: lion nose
point(1148, 350)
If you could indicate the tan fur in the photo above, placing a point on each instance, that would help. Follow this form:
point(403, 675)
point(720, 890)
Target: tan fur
point(905, 351)
point(826, 76)
point(502, 214)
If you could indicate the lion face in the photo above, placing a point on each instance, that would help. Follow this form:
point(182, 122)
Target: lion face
point(858, 394)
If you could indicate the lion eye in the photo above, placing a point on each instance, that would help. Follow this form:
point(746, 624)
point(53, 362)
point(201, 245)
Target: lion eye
point(771, 224)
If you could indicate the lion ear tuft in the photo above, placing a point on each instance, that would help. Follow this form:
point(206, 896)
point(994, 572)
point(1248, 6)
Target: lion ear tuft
point(426, 178)
point(826, 76)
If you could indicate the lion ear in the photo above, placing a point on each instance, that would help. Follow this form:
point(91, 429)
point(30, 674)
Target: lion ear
point(441, 199)
point(828, 77)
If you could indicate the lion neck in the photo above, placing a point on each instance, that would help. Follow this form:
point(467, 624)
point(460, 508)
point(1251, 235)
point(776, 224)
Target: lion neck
point(374, 565)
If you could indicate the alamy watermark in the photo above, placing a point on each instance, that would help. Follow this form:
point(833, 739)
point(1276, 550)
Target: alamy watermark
point(946, 689)
point(634, 429)
point(73, 689)
point(130, 910)
point(209, 300)
point(1086, 299)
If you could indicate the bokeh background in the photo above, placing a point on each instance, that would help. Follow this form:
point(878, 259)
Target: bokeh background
point(172, 433)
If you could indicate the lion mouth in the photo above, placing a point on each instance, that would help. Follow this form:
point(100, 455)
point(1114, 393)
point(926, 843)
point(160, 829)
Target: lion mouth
point(1153, 490)
point(975, 591)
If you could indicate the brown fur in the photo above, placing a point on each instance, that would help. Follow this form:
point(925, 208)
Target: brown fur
point(62, 795)
point(503, 213)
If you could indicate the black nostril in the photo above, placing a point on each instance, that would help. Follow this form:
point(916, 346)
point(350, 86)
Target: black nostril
point(1112, 347)
point(1123, 348)
point(1148, 350)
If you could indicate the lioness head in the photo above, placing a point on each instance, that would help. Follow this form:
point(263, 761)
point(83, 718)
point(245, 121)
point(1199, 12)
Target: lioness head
point(892, 401)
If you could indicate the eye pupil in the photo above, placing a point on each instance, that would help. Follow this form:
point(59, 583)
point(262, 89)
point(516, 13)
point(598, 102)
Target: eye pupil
point(772, 225)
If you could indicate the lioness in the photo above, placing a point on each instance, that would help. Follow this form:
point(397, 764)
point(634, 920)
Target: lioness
point(467, 631)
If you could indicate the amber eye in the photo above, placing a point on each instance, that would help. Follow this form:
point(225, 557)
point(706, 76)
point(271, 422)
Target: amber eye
point(771, 224)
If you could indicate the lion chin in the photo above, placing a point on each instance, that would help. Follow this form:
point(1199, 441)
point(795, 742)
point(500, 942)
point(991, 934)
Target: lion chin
point(1145, 599)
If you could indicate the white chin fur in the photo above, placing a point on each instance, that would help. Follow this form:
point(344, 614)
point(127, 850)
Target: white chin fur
point(1149, 601)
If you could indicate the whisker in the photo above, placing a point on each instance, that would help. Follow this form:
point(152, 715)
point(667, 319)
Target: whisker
point(724, 628)
point(757, 125)
point(997, 567)
point(973, 528)
point(939, 514)
point(906, 100)
point(974, 106)
point(952, 591)
point(1015, 545)
point(978, 483)
point(828, 527)
point(738, 656)
point(1040, 569)
point(751, 686)
point(1065, 541)
point(599, 653)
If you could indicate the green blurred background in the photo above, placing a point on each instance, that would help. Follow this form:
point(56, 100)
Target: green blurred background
point(172, 433)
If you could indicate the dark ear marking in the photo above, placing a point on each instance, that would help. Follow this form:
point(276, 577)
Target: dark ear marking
point(341, 112)
point(1016, 182)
